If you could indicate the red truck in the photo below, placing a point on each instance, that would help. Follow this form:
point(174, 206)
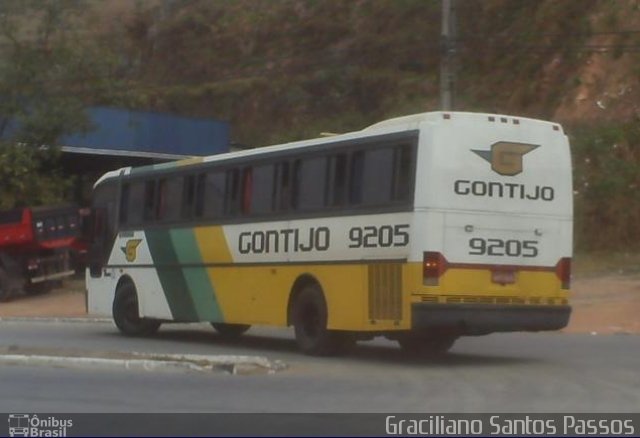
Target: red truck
point(36, 248)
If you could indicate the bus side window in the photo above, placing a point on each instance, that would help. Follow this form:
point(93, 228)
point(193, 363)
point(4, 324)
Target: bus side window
point(135, 206)
point(247, 177)
point(232, 193)
point(282, 186)
point(262, 189)
point(336, 180)
point(201, 180)
point(161, 201)
point(376, 178)
point(404, 172)
point(169, 192)
point(356, 177)
point(149, 200)
point(309, 179)
point(214, 194)
point(188, 196)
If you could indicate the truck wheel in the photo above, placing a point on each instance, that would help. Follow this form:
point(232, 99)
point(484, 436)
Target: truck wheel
point(310, 325)
point(126, 315)
point(230, 331)
point(423, 345)
point(5, 286)
point(38, 288)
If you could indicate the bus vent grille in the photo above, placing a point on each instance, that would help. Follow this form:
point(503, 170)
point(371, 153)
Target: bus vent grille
point(385, 291)
point(501, 300)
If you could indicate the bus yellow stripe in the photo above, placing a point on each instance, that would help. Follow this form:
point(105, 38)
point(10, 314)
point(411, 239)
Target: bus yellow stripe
point(213, 245)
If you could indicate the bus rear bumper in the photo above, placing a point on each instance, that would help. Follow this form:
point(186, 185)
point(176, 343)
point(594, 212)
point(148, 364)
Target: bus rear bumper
point(481, 319)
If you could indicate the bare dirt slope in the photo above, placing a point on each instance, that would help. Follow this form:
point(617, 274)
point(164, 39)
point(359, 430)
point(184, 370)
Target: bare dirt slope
point(606, 304)
point(601, 304)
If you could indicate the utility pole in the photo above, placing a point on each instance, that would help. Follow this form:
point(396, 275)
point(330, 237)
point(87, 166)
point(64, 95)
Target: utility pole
point(447, 59)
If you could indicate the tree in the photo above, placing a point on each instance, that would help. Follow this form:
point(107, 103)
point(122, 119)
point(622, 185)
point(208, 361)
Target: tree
point(51, 67)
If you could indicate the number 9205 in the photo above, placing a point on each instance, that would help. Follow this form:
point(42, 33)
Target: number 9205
point(384, 236)
point(503, 248)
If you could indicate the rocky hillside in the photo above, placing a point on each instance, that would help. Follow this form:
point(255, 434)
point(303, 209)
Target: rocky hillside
point(286, 69)
point(290, 69)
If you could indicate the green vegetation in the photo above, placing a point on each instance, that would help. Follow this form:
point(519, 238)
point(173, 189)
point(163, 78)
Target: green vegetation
point(49, 71)
point(606, 183)
point(595, 263)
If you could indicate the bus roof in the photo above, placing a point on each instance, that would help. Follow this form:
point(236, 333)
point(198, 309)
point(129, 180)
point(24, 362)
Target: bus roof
point(397, 124)
point(414, 120)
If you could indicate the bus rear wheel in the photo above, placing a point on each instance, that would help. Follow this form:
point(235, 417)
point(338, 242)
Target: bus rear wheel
point(230, 331)
point(426, 345)
point(126, 314)
point(310, 325)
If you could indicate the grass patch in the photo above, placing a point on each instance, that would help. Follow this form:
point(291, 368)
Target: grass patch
point(603, 263)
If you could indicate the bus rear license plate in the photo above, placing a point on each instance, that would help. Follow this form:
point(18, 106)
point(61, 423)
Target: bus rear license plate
point(503, 277)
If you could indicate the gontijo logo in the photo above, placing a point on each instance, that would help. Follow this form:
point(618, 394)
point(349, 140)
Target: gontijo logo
point(506, 157)
point(130, 250)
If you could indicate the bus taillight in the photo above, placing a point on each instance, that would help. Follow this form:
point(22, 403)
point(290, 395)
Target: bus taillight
point(433, 266)
point(563, 271)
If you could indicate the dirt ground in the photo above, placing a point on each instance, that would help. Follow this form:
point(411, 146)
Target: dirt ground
point(601, 304)
point(67, 301)
point(605, 304)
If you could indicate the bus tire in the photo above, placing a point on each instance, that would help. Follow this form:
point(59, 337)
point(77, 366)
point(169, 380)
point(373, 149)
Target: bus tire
point(230, 331)
point(310, 324)
point(126, 315)
point(426, 345)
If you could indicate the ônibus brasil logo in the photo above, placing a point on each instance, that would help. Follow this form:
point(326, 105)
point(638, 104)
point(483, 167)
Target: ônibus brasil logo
point(27, 425)
point(506, 157)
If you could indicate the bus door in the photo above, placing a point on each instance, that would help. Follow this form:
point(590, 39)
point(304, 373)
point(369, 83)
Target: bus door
point(103, 227)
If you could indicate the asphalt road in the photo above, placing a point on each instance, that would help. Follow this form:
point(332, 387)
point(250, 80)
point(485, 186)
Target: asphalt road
point(519, 372)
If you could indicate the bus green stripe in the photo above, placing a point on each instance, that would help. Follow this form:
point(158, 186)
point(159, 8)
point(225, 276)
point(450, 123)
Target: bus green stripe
point(197, 279)
point(171, 277)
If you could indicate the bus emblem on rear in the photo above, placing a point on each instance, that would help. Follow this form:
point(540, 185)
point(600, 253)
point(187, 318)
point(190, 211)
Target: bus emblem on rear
point(506, 157)
point(131, 249)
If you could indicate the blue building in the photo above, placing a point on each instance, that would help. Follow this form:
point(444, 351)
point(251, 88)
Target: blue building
point(155, 136)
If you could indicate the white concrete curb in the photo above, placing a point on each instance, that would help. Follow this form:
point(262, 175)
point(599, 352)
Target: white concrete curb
point(230, 364)
point(38, 319)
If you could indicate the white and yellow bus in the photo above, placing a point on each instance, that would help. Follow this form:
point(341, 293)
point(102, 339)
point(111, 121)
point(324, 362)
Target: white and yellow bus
point(422, 228)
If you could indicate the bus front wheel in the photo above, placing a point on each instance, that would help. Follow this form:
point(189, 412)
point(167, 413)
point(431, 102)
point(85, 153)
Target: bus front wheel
point(126, 315)
point(310, 325)
point(230, 331)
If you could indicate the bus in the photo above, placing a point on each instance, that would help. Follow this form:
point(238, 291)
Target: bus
point(421, 228)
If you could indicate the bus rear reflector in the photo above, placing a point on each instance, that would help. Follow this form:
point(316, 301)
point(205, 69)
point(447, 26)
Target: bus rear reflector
point(563, 271)
point(433, 266)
